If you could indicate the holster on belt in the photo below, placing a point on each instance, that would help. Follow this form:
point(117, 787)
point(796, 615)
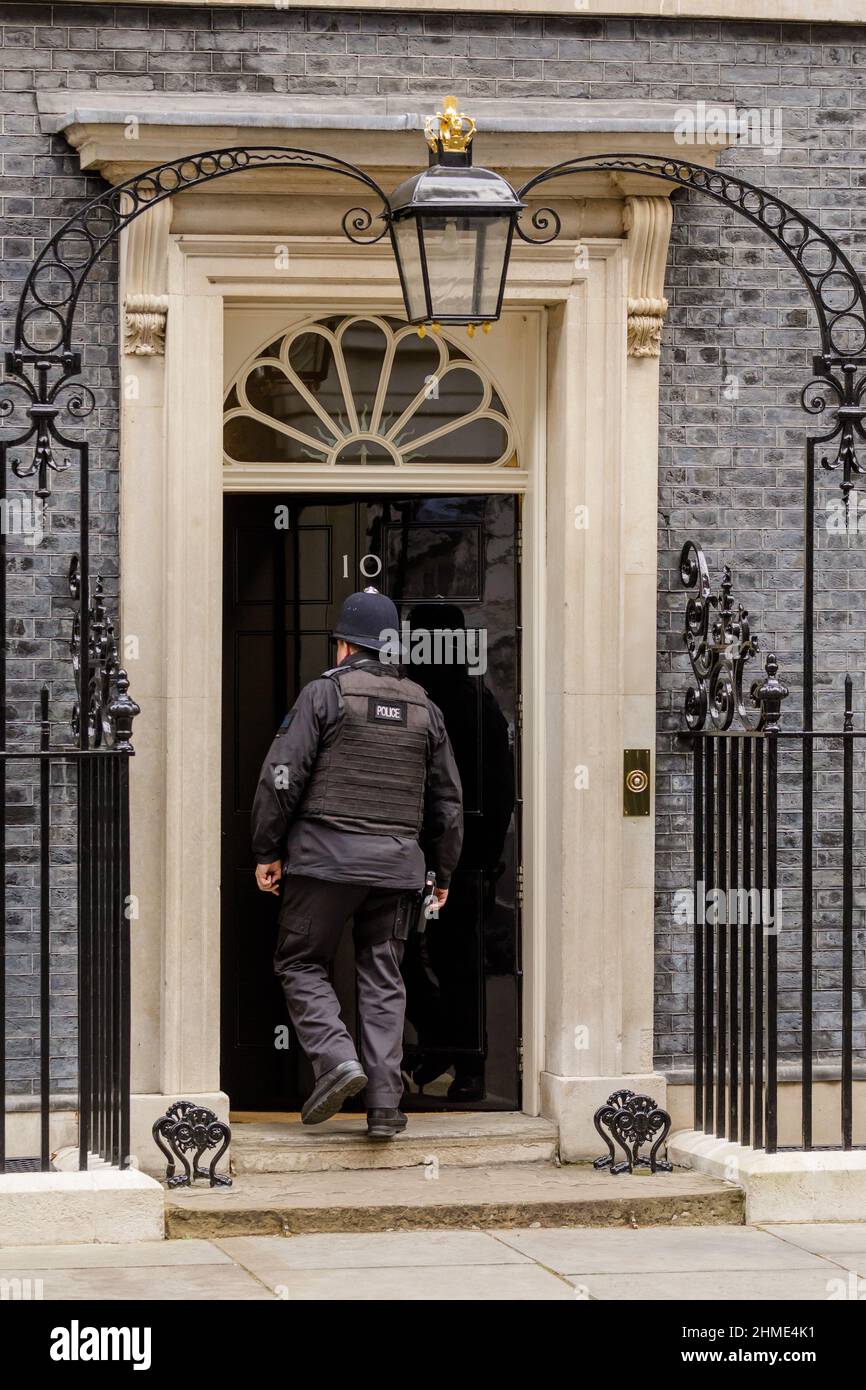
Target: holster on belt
point(422, 903)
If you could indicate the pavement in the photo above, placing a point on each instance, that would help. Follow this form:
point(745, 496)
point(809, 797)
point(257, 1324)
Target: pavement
point(701, 1263)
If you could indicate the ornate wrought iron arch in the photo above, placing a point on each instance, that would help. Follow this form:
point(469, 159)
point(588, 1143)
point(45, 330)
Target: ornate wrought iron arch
point(837, 294)
point(49, 297)
point(43, 363)
point(834, 286)
point(69, 256)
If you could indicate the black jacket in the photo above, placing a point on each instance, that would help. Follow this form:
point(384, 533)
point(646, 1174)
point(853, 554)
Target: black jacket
point(319, 851)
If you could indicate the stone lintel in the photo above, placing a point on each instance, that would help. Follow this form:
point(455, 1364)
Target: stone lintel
point(121, 134)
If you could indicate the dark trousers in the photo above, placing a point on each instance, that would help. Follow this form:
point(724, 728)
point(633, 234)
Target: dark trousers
point(313, 914)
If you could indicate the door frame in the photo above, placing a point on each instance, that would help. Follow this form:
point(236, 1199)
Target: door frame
point(357, 494)
point(587, 942)
point(526, 485)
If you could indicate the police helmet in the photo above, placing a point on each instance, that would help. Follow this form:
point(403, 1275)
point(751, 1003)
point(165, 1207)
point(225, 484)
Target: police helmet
point(365, 618)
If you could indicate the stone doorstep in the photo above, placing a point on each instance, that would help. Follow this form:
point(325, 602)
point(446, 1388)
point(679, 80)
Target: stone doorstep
point(517, 1194)
point(824, 1185)
point(466, 1139)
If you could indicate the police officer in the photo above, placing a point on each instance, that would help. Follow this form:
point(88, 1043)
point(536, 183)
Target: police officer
point(359, 775)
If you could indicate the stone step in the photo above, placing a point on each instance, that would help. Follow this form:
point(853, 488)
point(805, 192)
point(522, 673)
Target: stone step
point(512, 1194)
point(281, 1144)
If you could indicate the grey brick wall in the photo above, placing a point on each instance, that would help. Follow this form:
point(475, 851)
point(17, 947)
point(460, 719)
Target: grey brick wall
point(736, 350)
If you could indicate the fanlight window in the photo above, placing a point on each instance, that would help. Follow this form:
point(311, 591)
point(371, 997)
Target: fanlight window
point(365, 390)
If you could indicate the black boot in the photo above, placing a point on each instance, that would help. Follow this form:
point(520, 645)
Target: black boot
point(331, 1089)
point(385, 1124)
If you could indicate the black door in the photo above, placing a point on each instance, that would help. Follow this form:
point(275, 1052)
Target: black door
point(450, 564)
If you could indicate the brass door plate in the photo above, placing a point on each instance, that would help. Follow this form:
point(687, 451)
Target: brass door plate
point(636, 782)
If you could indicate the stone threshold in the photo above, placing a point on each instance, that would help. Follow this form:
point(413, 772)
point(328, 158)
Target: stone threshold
point(281, 1144)
point(517, 1195)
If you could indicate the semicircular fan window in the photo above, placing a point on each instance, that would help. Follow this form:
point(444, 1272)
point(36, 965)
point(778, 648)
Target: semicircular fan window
point(365, 390)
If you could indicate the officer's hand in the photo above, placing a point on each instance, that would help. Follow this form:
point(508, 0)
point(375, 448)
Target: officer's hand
point(268, 876)
point(440, 896)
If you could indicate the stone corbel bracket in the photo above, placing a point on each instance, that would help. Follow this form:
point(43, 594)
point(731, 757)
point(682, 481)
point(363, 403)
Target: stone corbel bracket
point(145, 304)
point(648, 224)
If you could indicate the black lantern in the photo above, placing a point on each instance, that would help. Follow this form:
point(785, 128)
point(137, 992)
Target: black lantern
point(451, 228)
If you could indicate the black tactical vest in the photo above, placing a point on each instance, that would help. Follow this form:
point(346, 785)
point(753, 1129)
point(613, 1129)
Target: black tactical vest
point(371, 767)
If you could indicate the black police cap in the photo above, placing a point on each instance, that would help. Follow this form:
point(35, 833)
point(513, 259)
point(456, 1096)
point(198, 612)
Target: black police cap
point(365, 617)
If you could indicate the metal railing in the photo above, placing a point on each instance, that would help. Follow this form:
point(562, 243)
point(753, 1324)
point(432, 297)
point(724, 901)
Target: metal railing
point(776, 874)
point(737, 983)
point(99, 780)
point(103, 957)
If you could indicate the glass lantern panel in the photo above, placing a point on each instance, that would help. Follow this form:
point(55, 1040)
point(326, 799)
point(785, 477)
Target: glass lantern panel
point(465, 264)
point(409, 254)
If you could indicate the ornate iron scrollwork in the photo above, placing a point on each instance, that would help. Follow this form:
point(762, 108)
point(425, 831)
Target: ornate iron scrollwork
point(356, 222)
point(546, 222)
point(719, 641)
point(44, 402)
point(631, 1121)
point(187, 1128)
point(848, 392)
point(108, 707)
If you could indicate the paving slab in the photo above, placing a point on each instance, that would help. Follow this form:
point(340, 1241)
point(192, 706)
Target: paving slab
point(517, 1195)
point(797, 1286)
point(855, 1265)
point(825, 1238)
point(454, 1283)
point(660, 1251)
point(507, 1264)
point(843, 1243)
point(141, 1254)
point(197, 1282)
point(368, 1250)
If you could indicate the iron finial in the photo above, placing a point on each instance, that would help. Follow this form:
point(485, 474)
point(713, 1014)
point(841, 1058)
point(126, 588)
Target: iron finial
point(768, 695)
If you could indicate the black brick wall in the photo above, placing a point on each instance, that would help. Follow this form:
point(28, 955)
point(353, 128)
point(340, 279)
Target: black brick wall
point(736, 349)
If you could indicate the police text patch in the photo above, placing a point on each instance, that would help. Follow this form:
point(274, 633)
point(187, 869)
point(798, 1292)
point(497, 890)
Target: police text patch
point(386, 711)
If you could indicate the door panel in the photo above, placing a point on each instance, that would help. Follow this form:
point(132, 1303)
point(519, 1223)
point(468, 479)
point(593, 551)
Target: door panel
point(449, 563)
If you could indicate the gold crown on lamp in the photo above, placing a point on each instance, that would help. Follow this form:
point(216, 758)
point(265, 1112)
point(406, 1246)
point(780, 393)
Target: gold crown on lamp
point(449, 128)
